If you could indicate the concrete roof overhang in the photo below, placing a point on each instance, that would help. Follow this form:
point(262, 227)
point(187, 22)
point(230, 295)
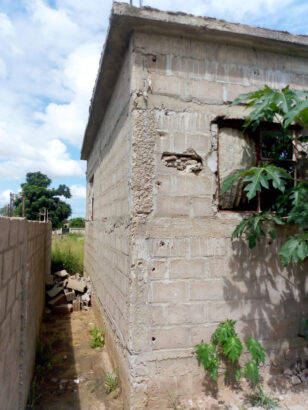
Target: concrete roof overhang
point(125, 19)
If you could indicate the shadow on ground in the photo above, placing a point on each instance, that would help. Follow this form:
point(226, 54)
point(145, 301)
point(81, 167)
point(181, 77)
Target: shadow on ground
point(76, 379)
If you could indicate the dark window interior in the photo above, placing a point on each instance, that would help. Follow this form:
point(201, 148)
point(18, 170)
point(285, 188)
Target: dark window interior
point(271, 144)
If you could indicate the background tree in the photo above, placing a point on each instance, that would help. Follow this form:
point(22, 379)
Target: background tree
point(5, 211)
point(77, 223)
point(286, 107)
point(39, 197)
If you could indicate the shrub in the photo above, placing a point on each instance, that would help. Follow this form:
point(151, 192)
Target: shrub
point(98, 338)
point(226, 344)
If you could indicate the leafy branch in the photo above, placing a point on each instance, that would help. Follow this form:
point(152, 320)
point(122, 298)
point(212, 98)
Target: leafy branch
point(254, 227)
point(286, 107)
point(258, 178)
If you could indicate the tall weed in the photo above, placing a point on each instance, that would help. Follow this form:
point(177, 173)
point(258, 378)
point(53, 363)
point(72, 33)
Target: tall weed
point(67, 253)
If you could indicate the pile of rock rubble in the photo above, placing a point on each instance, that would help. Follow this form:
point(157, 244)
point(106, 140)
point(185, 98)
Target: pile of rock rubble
point(297, 373)
point(66, 293)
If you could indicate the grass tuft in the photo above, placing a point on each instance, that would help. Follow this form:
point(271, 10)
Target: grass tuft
point(262, 399)
point(110, 382)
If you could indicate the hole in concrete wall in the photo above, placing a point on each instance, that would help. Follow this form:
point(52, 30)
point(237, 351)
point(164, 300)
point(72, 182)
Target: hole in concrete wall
point(188, 161)
point(154, 59)
point(162, 243)
point(153, 269)
point(153, 339)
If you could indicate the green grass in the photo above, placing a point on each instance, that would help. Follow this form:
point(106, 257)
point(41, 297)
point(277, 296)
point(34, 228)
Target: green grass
point(98, 338)
point(67, 253)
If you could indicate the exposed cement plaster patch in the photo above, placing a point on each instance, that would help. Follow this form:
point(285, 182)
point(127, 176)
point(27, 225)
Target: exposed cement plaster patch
point(188, 161)
point(212, 161)
point(143, 162)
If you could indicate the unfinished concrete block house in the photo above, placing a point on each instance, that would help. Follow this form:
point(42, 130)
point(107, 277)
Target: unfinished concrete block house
point(161, 137)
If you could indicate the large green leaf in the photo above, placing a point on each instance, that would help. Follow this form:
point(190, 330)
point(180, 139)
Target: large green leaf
point(256, 350)
point(285, 106)
point(257, 178)
point(294, 249)
point(255, 227)
point(206, 354)
point(224, 331)
point(233, 348)
point(252, 371)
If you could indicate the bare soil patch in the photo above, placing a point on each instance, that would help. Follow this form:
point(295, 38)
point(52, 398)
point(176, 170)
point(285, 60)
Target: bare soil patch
point(76, 379)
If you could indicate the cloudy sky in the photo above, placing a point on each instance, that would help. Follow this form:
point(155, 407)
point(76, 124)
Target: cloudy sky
point(49, 52)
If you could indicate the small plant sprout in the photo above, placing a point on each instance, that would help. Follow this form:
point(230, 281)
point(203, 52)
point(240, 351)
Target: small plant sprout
point(262, 399)
point(226, 344)
point(98, 338)
point(110, 382)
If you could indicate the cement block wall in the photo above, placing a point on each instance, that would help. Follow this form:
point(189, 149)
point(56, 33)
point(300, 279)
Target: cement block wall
point(24, 261)
point(194, 275)
point(160, 254)
point(107, 245)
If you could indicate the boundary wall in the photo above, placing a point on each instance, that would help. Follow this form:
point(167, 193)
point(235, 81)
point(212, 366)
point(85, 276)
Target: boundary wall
point(25, 251)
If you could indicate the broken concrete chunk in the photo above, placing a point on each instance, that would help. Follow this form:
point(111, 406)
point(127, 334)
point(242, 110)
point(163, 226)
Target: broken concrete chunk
point(63, 308)
point(61, 274)
point(295, 380)
point(76, 305)
point(78, 285)
point(288, 373)
point(58, 300)
point(70, 295)
point(86, 297)
point(54, 291)
point(49, 280)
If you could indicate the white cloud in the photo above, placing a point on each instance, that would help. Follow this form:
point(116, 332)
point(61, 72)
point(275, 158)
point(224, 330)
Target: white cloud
point(67, 121)
point(78, 191)
point(5, 197)
point(47, 72)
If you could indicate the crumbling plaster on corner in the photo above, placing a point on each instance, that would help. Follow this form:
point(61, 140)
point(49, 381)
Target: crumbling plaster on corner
point(142, 205)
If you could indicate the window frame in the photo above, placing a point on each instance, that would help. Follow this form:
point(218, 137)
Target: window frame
point(238, 125)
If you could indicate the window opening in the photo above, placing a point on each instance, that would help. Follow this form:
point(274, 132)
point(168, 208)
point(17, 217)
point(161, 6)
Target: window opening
point(238, 150)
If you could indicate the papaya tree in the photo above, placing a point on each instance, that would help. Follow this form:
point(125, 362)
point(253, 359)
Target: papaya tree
point(284, 178)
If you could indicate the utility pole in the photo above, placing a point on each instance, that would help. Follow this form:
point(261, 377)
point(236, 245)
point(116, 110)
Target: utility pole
point(131, 3)
point(23, 197)
point(11, 210)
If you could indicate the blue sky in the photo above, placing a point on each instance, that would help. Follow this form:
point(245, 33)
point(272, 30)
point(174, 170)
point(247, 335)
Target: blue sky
point(49, 53)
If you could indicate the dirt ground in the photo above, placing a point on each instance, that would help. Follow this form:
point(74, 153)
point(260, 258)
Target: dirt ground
point(76, 379)
point(235, 397)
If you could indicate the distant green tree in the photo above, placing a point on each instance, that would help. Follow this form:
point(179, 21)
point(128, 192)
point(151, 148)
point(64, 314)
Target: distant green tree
point(39, 197)
point(77, 223)
point(5, 211)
